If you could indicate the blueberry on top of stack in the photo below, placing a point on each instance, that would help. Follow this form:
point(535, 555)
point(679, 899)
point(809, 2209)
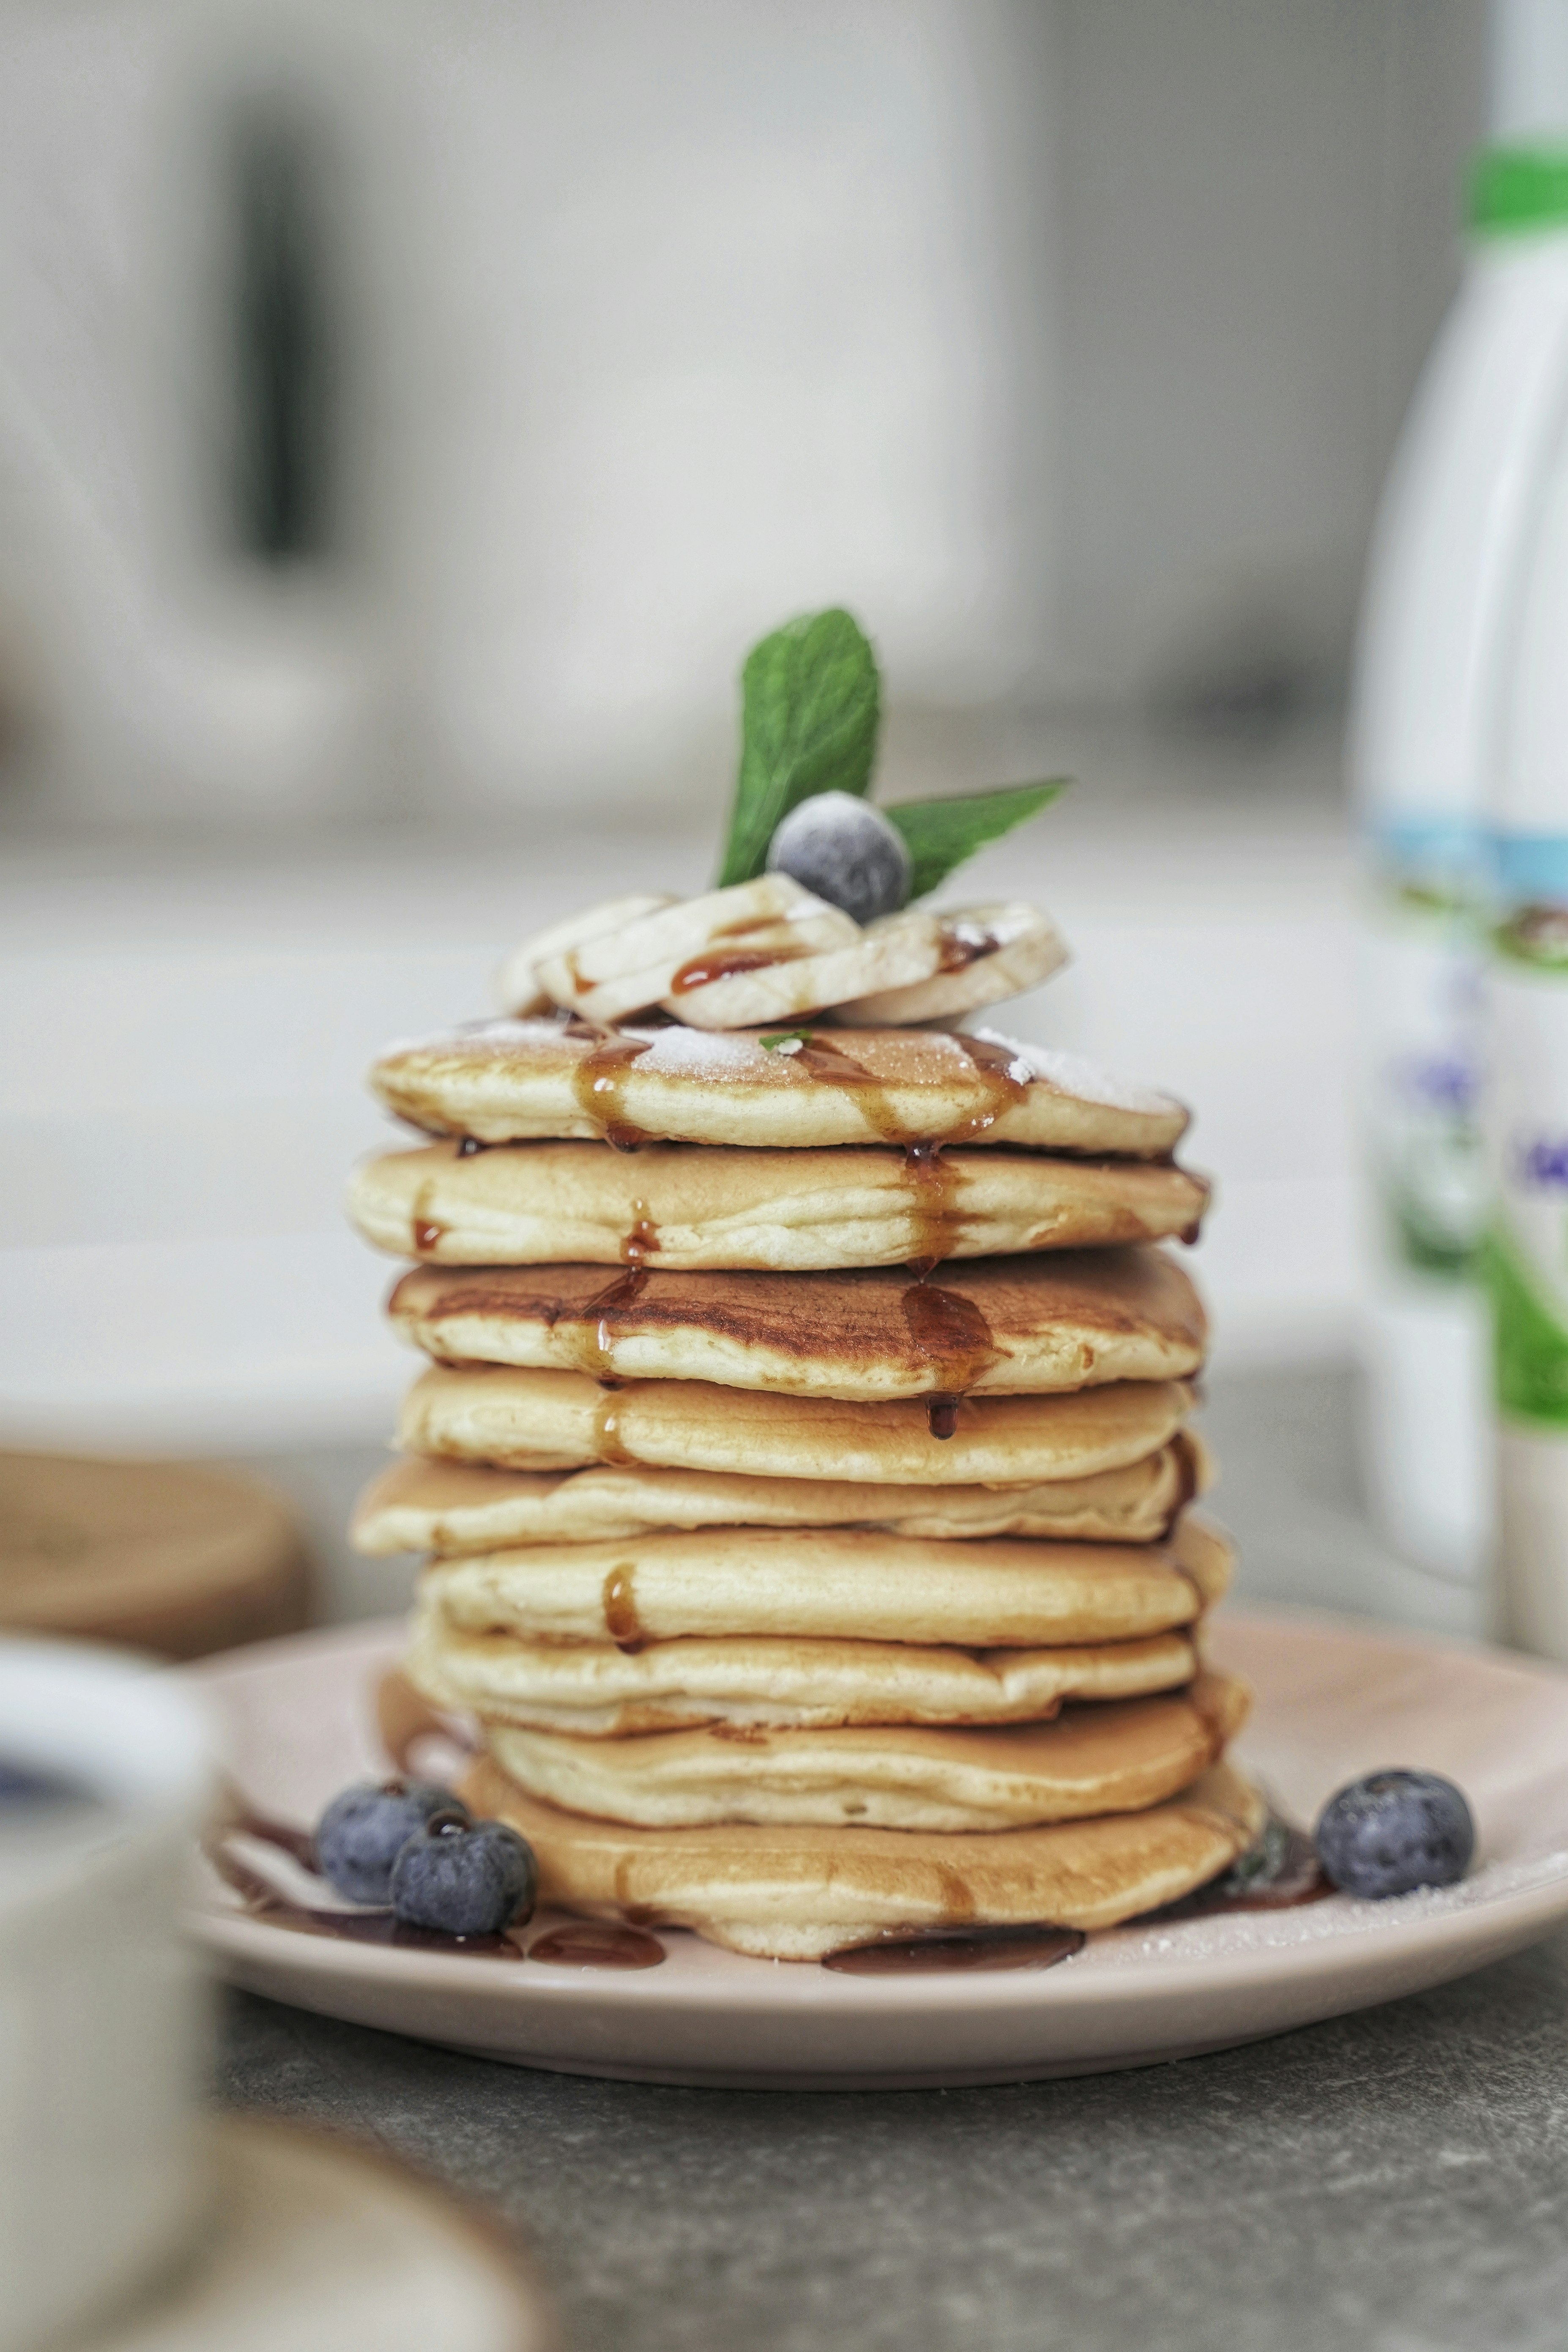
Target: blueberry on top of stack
point(803, 1455)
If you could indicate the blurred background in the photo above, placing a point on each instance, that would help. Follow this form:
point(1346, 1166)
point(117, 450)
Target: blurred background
point(410, 413)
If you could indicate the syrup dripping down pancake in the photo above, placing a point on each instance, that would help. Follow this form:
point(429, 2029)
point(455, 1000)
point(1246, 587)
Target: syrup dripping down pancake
point(997, 1326)
point(562, 1421)
point(848, 1584)
point(505, 1081)
point(794, 1892)
point(1109, 1759)
point(794, 1212)
point(418, 1504)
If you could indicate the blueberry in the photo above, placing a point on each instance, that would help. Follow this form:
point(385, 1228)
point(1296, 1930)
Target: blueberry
point(846, 852)
point(1396, 1831)
point(463, 1878)
point(361, 1833)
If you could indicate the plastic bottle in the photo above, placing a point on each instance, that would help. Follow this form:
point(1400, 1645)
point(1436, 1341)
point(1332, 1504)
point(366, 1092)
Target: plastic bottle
point(1437, 626)
point(1526, 1097)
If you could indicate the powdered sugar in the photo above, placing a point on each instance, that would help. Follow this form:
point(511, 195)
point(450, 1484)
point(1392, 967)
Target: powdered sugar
point(681, 1052)
point(1071, 1074)
point(1225, 1934)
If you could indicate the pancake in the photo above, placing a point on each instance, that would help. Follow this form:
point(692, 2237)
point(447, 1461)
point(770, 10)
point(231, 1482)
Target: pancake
point(686, 1205)
point(599, 1691)
point(794, 1892)
point(850, 1584)
point(504, 1081)
point(892, 1777)
point(999, 1326)
point(1115, 1758)
point(416, 1504)
point(563, 1421)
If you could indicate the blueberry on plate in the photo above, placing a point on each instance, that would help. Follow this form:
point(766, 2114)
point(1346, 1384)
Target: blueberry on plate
point(361, 1833)
point(1394, 1832)
point(846, 852)
point(459, 1877)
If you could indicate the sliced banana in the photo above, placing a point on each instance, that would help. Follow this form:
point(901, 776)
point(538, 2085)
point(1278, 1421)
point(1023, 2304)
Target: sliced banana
point(770, 919)
point(767, 944)
point(893, 953)
point(517, 989)
point(988, 953)
point(672, 933)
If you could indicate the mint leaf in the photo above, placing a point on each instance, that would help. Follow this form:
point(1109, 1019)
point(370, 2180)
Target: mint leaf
point(809, 706)
point(942, 833)
point(784, 1037)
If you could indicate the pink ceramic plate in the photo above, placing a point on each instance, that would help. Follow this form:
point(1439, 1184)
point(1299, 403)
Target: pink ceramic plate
point(1334, 1699)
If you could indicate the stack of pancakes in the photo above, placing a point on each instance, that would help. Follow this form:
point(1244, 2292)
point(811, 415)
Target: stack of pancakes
point(805, 1475)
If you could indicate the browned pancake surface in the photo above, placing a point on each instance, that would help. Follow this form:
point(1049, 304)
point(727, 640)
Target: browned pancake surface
point(1017, 1325)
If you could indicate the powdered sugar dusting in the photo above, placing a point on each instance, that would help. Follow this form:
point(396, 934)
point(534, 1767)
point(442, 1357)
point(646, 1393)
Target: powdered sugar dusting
point(1072, 1073)
point(501, 1032)
point(1224, 1934)
point(684, 1053)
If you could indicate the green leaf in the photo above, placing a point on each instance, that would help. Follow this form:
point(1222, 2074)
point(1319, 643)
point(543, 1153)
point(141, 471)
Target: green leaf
point(942, 833)
point(809, 706)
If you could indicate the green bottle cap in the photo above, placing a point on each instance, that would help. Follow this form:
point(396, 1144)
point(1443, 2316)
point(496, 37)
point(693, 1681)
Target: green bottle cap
point(1516, 190)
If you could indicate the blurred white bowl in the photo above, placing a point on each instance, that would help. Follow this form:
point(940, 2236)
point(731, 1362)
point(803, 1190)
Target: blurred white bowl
point(104, 2026)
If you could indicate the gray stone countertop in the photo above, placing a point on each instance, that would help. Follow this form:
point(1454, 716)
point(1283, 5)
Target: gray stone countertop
point(1396, 2180)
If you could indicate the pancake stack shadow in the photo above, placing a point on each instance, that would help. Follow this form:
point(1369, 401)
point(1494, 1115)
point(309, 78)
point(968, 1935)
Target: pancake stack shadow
point(804, 1469)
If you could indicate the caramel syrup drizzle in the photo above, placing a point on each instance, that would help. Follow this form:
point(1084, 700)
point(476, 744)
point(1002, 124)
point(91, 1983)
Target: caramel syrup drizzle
point(951, 1331)
point(599, 1081)
point(724, 963)
point(622, 1622)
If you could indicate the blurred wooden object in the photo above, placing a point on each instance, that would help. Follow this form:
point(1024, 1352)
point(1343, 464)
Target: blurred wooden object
point(179, 1558)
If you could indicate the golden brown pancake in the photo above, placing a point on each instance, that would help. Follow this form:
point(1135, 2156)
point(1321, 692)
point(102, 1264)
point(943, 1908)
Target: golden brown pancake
point(1113, 1759)
point(601, 1691)
point(503, 1081)
point(794, 1892)
point(562, 1421)
point(417, 1504)
point(679, 1204)
point(992, 1326)
point(850, 1584)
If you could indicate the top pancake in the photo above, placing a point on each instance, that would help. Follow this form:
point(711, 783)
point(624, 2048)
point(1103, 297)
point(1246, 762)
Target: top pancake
point(996, 1326)
point(504, 1081)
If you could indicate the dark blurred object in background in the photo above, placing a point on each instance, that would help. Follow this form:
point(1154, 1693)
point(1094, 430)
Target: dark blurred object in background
point(286, 377)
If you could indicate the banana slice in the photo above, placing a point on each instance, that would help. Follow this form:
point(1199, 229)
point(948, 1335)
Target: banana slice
point(517, 987)
point(682, 947)
point(988, 953)
point(893, 953)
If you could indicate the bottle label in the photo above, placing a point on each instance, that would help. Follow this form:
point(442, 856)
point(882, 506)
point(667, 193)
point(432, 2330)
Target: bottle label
point(1527, 1254)
point(1422, 1002)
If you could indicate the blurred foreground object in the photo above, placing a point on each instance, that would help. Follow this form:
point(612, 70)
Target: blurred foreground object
point(317, 2242)
point(179, 1558)
point(1526, 1096)
point(1436, 634)
point(105, 1778)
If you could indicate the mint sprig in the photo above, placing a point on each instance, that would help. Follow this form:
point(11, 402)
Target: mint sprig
point(810, 709)
point(942, 833)
point(811, 701)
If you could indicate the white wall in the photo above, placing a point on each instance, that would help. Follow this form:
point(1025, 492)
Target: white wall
point(1065, 338)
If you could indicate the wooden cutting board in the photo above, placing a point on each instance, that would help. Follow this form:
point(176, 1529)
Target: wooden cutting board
point(179, 1558)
